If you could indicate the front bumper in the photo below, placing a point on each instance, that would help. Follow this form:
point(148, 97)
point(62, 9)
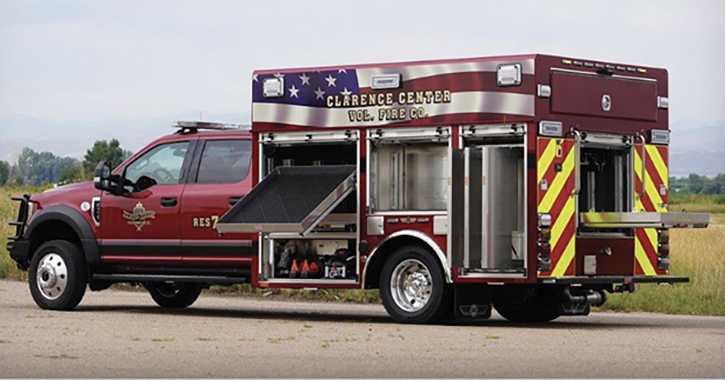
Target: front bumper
point(18, 247)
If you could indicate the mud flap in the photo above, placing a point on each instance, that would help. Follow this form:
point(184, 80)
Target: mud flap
point(472, 301)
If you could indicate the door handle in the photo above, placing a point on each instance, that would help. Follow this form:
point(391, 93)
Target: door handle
point(169, 202)
point(233, 200)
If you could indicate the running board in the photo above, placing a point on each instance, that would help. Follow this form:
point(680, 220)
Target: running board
point(213, 280)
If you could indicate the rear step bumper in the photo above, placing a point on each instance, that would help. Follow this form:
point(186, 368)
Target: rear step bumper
point(610, 280)
point(130, 277)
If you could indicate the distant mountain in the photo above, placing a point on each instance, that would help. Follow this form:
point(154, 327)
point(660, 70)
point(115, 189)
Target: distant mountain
point(699, 149)
point(73, 138)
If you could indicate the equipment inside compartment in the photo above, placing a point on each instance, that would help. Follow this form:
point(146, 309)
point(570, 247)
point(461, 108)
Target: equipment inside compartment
point(317, 259)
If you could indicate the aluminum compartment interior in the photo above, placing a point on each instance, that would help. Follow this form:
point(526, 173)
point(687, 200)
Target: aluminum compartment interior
point(644, 219)
point(290, 199)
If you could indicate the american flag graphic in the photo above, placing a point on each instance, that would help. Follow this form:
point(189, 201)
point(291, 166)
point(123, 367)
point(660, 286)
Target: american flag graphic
point(474, 94)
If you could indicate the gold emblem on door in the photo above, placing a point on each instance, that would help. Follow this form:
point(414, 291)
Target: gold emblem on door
point(137, 217)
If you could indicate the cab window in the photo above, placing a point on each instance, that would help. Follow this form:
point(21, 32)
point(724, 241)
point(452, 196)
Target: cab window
point(162, 164)
point(225, 161)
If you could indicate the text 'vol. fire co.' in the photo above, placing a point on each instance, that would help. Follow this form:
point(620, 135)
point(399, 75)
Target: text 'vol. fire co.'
point(393, 106)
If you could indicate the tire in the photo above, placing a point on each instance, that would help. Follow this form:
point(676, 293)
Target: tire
point(58, 275)
point(426, 298)
point(173, 295)
point(528, 304)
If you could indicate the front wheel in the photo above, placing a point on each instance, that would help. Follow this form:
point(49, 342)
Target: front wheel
point(173, 295)
point(57, 275)
point(413, 287)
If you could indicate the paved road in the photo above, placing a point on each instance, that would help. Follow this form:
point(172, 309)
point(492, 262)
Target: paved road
point(123, 334)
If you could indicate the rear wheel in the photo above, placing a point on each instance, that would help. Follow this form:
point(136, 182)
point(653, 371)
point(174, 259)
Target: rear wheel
point(57, 275)
point(521, 303)
point(413, 287)
point(173, 295)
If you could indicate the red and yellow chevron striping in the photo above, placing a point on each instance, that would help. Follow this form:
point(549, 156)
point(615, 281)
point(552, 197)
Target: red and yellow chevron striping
point(654, 199)
point(555, 183)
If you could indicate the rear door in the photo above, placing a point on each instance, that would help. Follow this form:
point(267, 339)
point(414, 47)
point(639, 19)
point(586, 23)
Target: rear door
point(220, 177)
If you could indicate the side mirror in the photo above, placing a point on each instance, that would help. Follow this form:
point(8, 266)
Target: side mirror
point(102, 177)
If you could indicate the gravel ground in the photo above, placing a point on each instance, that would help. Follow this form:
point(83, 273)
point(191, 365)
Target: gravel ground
point(124, 334)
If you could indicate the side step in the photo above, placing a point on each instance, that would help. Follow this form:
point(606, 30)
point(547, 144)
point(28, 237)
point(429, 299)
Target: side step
point(213, 280)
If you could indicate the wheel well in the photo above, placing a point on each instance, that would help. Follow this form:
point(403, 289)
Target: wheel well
point(52, 230)
point(383, 252)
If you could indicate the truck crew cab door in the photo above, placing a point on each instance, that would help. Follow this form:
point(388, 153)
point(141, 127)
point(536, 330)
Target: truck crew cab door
point(219, 177)
point(142, 225)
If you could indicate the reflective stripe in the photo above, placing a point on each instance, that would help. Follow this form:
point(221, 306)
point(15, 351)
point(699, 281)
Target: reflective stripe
point(545, 159)
point(558, 183)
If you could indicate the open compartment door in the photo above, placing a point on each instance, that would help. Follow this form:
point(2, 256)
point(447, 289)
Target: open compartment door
point(290, 199)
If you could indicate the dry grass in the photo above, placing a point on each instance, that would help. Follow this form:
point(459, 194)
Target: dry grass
point(696, 253)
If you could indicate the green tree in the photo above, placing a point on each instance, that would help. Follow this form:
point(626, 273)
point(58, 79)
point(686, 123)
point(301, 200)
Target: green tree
point(4, 172)
point(37, 168)
point(75, 173)
point(104, 150)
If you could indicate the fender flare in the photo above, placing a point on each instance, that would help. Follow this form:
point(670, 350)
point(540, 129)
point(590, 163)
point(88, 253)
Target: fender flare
point(77, 222)
point(423, 238)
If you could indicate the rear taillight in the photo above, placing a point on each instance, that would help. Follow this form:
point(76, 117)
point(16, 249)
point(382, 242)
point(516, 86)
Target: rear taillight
point(663, 250)
point(544, 245)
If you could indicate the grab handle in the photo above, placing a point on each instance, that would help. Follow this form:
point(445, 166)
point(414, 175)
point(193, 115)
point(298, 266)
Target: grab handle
point(643, 156)
point(577, 161)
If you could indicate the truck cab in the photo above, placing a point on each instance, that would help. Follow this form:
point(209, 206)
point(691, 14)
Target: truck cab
point(157, 218)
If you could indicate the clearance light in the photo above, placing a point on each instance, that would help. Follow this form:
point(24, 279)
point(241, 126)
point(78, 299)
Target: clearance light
point(663, 102)
point(385, 81)
point(545, 234)
point(273, 87)
point(660, 137)
point(550, 128)
point(509, 75)
point(566, 61)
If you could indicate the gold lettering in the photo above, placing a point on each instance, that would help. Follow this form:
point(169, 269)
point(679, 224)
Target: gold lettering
point(329, 101)
point(351, 115)
point(346, 101)
point(428, 96)
point(337, 101)
point(446, 96)
point(389, 98)
point(371, 99)
point(401, 98)
point(363, 100)
point(196, 222)
point(410, 98)
point(438, 96)
point(381, 99)
point(419, 97)
point(354, 100)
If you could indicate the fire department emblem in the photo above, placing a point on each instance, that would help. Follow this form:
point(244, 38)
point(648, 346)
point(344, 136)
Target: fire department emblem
point(138, 216)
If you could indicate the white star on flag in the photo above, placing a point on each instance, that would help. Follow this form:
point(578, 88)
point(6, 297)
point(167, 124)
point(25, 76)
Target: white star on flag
point(305, 79)
point(319, 93)
point(293, 92)
point(345, 92)
point(343, 71)
point(331, 81)
point(279, 75)
point(254, 78)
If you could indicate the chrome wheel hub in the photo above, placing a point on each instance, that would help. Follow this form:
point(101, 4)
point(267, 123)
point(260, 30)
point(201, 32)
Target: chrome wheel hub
point(52, 276)
point(411, 285)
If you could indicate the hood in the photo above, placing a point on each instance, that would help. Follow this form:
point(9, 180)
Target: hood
point(68, 192)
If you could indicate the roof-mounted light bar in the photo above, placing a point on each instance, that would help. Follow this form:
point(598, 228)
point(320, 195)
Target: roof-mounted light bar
point(188, 125)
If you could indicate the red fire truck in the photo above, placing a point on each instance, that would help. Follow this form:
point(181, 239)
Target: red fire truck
point(532, 184)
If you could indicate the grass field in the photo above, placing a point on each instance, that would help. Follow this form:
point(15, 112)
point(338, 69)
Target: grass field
point(696, 253)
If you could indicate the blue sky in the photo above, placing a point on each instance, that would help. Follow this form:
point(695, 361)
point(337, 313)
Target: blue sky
point(131, 60)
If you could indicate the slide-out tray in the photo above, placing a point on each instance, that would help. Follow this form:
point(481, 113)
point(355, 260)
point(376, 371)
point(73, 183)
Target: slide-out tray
point(290, 199)
point(644, 219)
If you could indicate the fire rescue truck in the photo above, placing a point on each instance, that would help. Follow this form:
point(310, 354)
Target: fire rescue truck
point(531, 184)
